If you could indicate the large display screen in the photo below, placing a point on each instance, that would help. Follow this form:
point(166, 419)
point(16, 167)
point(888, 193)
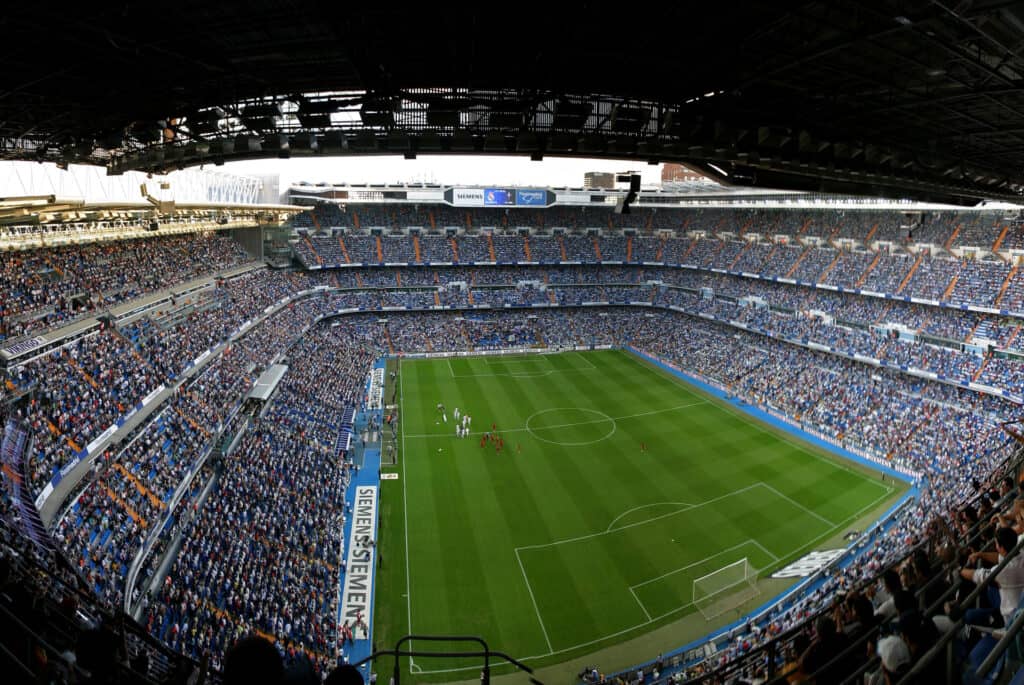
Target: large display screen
point(498, 197)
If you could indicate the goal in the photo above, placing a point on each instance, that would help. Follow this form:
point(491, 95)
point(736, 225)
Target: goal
point(725, 589)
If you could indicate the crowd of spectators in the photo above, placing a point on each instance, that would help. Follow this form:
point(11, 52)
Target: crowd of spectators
point(223, 588)
point(261, 556)
point(985, 282)
point(46, 287)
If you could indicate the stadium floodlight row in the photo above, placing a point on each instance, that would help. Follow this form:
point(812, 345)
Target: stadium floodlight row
point(76, 398)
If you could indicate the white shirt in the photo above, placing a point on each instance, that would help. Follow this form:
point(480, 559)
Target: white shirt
point(1011, 585)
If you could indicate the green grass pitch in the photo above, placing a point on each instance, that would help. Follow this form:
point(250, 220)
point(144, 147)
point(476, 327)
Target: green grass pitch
point(618, 485)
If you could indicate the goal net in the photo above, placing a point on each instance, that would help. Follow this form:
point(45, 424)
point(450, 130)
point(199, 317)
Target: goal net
point(725, 589)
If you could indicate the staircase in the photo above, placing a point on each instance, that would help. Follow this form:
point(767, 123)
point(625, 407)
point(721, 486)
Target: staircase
point(927, 419)
point(416, 249)
point(344, 250)
point(380, 251)
point(143, 490)
point(134, 515)
point(872, 265)
point(824, 274)
point(1013, 336)
point(693, 244)
point(974, 330)
point(490, 248)
point(309, 243)
point(661, 250)
point(949, 288)
point(561, 248)
point(89, 379)
point(1002, 236)
point(771, 253)
point(398, 278)
point(432, 220)
point(629, 248)
point(437, 299)
point(871, 234)
point(981, 368)
point(952, 236)
point(1006, 283)
point(469, 296)
point(387, 336)
point(597, 249)
point(792, 269)
point(526, 248)
point(193, 423)
point(455, 249)
point(885, 312)
point(551, 296)
point(910, 274)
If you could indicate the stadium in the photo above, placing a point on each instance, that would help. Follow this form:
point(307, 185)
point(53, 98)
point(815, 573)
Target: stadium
point(724, 384)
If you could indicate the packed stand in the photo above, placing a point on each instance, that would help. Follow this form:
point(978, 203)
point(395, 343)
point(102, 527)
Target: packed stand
point(43, 288)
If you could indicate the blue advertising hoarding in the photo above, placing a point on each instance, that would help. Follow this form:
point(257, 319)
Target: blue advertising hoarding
point(531, 198)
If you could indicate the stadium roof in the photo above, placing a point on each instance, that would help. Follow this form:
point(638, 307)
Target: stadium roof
point(885, 97)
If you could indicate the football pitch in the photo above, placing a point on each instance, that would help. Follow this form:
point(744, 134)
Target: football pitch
point(618, 485)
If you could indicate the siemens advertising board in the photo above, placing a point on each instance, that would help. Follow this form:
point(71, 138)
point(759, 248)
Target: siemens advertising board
point(468, 197)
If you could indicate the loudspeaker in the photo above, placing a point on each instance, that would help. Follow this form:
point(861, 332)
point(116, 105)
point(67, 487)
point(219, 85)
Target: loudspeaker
point(153, 226)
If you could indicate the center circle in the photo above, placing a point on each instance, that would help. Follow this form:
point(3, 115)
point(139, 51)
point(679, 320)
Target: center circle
point(548, 420)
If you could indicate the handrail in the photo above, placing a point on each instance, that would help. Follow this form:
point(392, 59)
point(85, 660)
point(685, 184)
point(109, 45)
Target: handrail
point(487, 654)
point(939, 647)
point(1004, 642)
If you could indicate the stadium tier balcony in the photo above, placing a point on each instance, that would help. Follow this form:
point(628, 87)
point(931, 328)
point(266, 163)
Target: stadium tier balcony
point(1012, 298)
point(544, 248)
point(752, 259)
point(977, 230)
point(888, 273)
point(782, 260)
point(398, 249)
point(449, 217)
point(414, 299)
point(436, 248)
point(665, 219)
point(932, 277)
point(508, 248)
point(850, 267)
point(361, 248)
point(1014, 239)
point(578, 248)
point(979, 282)
point(704, 252)
point(476, 248)
point(647, 248)
point(813, 264)
point(613, 248)
point(728, 254)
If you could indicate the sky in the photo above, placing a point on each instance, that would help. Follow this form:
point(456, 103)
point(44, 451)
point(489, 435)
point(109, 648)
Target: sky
point(443, 169)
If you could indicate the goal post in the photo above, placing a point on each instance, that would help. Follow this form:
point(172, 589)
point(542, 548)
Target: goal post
point(725, 588)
